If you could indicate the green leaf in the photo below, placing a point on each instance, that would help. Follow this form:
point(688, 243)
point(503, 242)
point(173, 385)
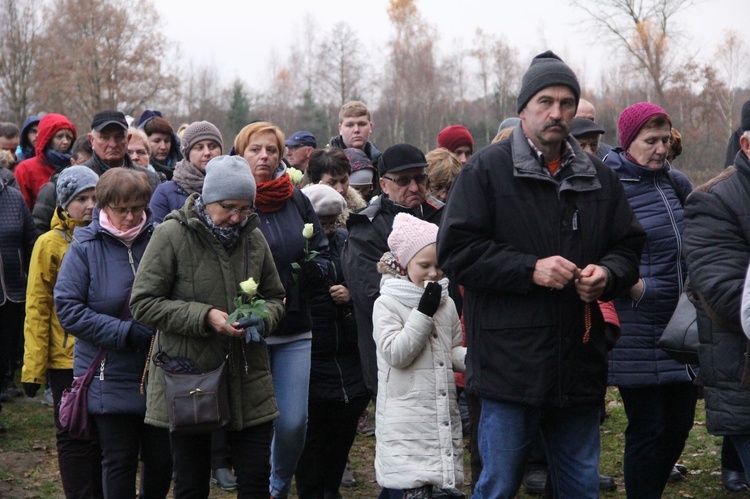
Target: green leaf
point(311, 255)
point(296, 266)
point(259, 309)
point(231, 318)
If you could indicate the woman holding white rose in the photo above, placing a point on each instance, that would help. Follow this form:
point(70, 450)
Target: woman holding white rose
point(302, 261)
point(185, 287)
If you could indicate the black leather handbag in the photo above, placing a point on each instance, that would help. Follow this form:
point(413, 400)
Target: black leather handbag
point(680, 337)
point(196, 402)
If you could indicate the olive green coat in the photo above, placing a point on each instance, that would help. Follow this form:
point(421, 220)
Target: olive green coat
point(186, 272)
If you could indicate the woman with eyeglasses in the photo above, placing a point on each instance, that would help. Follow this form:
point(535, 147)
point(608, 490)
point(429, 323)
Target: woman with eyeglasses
point(185, 288)
point(201, 142)
point(284, 212)
point(92, 297)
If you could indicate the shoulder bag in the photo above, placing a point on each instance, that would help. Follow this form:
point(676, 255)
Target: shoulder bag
point(680, 337)
point(74, 403)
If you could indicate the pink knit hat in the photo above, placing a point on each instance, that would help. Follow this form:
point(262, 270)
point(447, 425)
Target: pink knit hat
point(409, 236)
point(633, 118)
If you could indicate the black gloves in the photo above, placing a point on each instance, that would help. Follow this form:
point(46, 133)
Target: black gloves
point(30, 389)
point(254, 329)
point(430, 300)
point(310, 273)
point(139, 337)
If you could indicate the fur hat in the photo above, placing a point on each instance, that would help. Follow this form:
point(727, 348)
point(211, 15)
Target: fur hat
point(546, 70)
point(72, 181)
point(455, 136)
point(326, 201)
point(632, 120)
point(228, 177)
point(197, 131)
point(409, 236)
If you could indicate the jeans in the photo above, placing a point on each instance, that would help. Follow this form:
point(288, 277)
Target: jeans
point(507, 432)
point(250, 454)
point(123, 438)
point(80, 461)
point(290, 367)
point(659, 420)
point(331, 428)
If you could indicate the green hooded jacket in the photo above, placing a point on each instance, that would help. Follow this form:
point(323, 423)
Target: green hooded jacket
point(184, 273)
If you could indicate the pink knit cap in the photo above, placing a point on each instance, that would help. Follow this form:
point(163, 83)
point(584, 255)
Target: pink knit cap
point(633, 118)
point(409, 236)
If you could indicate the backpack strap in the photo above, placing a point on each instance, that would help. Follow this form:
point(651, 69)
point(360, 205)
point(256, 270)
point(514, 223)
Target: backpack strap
point(299, 201)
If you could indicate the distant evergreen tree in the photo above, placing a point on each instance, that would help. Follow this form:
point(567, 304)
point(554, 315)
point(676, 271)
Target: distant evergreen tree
point(239, 108)
point(314, 119)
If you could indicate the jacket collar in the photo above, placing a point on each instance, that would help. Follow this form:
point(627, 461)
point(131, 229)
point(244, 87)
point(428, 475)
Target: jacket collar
point(577, 173)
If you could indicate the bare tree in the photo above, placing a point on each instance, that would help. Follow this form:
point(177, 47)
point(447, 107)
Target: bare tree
point(342, 72)
point(102, 54)
point(643, 28)
point(732, 59)
point(19, 30)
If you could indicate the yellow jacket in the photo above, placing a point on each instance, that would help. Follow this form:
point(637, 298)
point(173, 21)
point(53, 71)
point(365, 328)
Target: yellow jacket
point(46, 345)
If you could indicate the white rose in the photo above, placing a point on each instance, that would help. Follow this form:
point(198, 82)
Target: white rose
point(249, 287)
point(307, 231)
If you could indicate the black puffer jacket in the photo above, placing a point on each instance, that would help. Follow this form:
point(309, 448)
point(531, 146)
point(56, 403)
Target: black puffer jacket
point(525, 342)
point(717, 247)
point(335, 372)
point(17, 237)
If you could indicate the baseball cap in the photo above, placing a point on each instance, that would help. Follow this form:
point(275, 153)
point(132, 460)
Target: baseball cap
point(109, 117)
point(301, 138)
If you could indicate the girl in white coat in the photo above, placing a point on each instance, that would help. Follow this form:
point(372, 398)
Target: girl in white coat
point(418, 337)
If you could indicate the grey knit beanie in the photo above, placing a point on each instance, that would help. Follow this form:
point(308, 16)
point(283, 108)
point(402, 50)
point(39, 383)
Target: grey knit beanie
point(228, 177)
point(72, 181)
point(546, 70)
point(197, 131)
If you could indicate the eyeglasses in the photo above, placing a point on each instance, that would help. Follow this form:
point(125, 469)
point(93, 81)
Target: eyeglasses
point(246, 211)
point(404, 181)
point(136, 212)
point(139, 152)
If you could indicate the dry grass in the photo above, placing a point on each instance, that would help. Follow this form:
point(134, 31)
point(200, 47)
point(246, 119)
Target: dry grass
point(28, 464)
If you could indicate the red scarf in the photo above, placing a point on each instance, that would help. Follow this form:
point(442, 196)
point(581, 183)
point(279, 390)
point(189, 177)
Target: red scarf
point(271, 196)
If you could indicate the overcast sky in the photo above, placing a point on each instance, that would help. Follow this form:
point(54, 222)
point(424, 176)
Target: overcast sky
point(239, 38)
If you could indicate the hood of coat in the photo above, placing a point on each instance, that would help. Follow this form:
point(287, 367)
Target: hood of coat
point(617, 161)
point(30, 121)
point(49, 125)
point(61, 221)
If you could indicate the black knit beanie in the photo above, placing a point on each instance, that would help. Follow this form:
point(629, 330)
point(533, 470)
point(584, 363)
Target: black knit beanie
point(745, 117)
point(546, 70)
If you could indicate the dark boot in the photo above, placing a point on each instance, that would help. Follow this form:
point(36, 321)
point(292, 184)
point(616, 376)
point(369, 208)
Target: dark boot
point(424, 492)
point(734, 481)
point(224, 478)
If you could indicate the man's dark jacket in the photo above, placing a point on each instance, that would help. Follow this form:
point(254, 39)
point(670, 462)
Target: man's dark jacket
point(368, 240)
point(528, 344)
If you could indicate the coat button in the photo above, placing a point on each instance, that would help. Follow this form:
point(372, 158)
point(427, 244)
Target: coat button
point(441, 364)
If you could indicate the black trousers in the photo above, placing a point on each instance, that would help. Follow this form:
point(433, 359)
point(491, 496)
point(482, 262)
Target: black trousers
point(123, 437)
point(251, 456)
point(11, 340)
point(80, 461)
point(659, 420)
point(331, 428)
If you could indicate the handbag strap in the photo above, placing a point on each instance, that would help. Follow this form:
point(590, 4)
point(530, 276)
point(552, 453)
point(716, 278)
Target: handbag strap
point(89, 374)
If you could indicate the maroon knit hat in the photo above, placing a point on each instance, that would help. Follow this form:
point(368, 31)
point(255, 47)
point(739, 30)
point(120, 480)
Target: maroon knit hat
point(455, 136)
point(633, 118)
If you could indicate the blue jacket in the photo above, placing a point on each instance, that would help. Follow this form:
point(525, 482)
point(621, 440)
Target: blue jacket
point(167, 197)
point(17, 237)
point(636, 359)
point(92, 297)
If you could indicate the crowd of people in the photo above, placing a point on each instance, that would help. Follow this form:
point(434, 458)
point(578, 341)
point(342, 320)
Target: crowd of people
point(493, 294)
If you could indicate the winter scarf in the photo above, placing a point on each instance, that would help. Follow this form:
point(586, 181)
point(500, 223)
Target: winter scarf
point(188, 176)
point(272, 195)
point(227, 236)
point(406, 292)
point(125, 235)
point(58, 160)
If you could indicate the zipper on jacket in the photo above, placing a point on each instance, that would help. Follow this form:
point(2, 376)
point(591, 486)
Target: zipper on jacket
point(338, 367)
point(131, 260)
point(678, 237)
point(101, 369)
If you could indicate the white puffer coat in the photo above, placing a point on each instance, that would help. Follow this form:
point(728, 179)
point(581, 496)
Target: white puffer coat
point(418, 427)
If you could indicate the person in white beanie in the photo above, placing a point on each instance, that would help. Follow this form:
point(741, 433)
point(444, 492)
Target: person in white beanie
point(417, 333)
